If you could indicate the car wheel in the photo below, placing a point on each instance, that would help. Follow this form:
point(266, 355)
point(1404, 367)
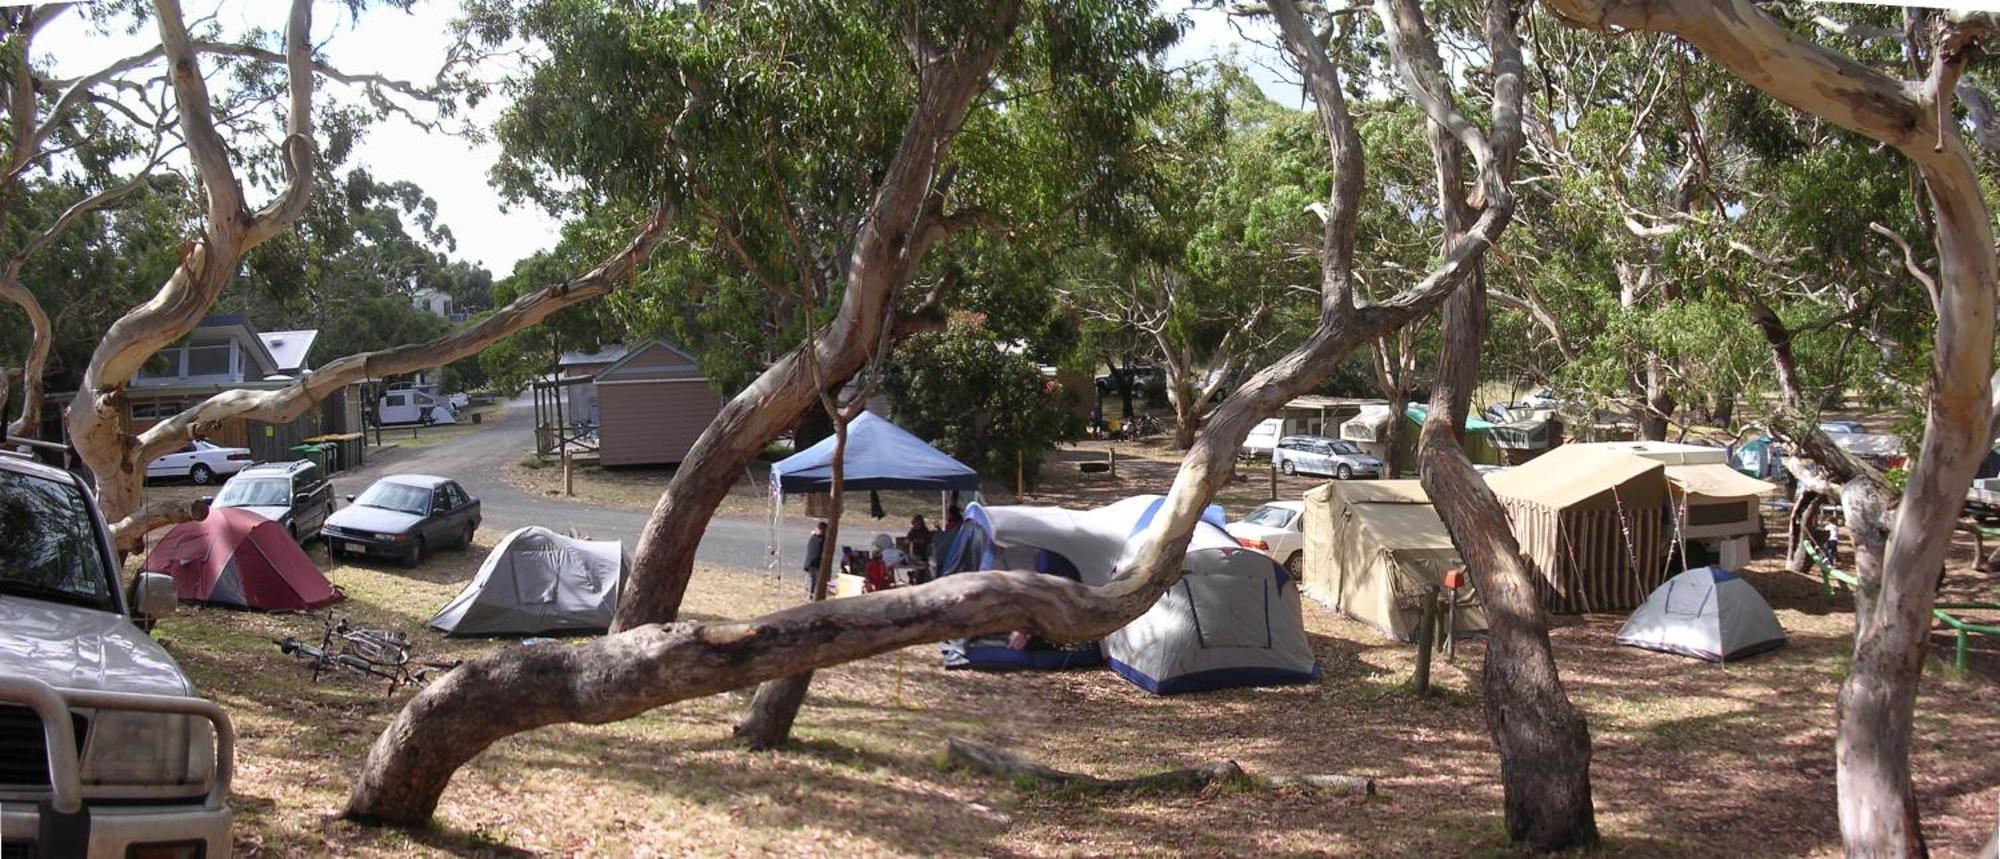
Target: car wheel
point(465, 540)
point(1294, 564)
point(201, 474)
point(1288, 468)
point(416, 556)
point(1343, 472)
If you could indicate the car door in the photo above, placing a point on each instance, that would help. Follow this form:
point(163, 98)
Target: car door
point(468, 506)
point(1322, 458)
point(437, 527)
point(173, 464)
point(312, 500)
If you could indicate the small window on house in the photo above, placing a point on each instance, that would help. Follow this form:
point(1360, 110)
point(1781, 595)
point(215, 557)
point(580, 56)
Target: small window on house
point(165, 364)
point(208, 360)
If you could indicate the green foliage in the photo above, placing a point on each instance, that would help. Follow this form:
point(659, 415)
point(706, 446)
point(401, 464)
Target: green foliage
point(964, 391)
point(771, 126)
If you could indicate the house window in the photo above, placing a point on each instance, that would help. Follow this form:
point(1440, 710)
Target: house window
point(156, 411)
point(165, 364)
point(209, 360)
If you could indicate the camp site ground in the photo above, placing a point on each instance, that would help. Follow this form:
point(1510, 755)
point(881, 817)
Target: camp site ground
point(864, 776)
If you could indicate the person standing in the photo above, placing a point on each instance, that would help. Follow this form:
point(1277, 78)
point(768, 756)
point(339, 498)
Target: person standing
point(919, 538)
point(815, 547)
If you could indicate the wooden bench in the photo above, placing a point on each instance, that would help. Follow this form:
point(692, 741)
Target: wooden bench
point(1944, 612)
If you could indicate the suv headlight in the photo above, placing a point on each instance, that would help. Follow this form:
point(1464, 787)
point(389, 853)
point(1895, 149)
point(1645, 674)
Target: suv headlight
point(133, 748)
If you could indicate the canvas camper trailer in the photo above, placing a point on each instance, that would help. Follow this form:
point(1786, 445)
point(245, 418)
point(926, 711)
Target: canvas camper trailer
point(1371, 551)
point(1714, 505)
point(1590, 522)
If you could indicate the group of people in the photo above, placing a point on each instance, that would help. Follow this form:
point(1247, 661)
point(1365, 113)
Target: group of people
point(925, 547)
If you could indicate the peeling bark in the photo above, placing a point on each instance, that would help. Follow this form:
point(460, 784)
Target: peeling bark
point(97, 419)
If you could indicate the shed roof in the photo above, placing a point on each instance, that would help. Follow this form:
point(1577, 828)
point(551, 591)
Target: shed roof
point(656, 359)
point(605, 354)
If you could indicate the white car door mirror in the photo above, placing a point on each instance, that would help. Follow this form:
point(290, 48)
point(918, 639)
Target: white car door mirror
point(155, 595)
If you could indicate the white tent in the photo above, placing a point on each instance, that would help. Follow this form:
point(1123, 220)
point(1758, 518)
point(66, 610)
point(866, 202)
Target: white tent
point(537, 582)
point(1707, 613)
point(1234, 620)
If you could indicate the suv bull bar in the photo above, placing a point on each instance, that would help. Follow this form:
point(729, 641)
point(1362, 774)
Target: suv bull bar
point(65, 825)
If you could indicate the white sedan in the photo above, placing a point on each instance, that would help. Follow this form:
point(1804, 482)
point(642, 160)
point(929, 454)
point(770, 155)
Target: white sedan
point(200, 462)
point(1276, 529)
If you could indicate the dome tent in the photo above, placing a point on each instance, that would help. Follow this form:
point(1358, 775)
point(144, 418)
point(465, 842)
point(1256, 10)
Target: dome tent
point(1233, 620)
point(538, 582)
point(1707, 613)
point(237, 559)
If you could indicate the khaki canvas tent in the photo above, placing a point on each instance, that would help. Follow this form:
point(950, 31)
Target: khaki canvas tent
point(1371, 550)
point(1590, 522)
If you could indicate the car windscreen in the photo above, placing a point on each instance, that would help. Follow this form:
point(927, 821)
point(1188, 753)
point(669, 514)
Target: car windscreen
point(49, 546)
point(261, 492)
point(397, 496)
point(1269, 517)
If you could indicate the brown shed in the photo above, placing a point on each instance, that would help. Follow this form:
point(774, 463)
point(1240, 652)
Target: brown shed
point(651, 406)
point(1590, 523)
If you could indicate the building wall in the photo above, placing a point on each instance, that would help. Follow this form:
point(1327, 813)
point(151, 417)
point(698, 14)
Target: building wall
point(652, 422)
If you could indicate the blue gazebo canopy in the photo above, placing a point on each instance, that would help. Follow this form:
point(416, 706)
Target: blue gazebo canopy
point(880, 455)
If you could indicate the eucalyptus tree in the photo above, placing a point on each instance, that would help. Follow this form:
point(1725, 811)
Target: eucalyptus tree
point(645, 666)
point(1896, 558)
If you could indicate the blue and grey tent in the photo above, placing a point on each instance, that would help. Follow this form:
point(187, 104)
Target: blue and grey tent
point(1707, 613)
point(1233, 620)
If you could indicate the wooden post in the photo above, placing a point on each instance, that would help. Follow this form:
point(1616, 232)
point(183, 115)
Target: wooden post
point(1020, 474)
point(1274, 480)
point(1114, 462)
point(569, 473)
point(1426, 639)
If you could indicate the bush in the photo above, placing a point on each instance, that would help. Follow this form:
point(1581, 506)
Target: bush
point(964, 392)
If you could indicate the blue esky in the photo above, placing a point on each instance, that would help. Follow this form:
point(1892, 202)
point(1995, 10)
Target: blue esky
point(409, 46)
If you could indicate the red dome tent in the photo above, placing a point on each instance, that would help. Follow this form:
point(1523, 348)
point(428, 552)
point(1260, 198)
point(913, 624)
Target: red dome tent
point(238, 559)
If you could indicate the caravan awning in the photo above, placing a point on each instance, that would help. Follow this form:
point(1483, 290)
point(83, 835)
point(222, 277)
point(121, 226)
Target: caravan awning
point(1715, 482)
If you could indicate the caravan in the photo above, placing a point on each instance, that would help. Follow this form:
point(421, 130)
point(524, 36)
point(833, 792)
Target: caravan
point(404, 403)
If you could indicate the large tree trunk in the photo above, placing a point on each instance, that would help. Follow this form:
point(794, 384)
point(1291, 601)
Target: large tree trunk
point(1187, 414)
point(904, 220)
point(776, 705)
point(1878, 812)
point(230, 229)
point(1543, 742)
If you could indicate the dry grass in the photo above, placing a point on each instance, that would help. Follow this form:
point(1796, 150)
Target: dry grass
point(1690, 758)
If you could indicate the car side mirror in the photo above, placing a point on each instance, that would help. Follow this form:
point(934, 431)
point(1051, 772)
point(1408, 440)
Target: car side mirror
point(155, 595)
point(301, 497)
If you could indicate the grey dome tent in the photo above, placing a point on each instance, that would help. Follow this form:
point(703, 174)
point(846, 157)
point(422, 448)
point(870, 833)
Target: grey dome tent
point(1707, 613)
point(537, 582)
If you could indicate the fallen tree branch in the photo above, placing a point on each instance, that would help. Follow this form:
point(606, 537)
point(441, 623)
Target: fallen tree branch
point(983, 758)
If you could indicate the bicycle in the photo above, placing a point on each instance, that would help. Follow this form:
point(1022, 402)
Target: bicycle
point(365, 653)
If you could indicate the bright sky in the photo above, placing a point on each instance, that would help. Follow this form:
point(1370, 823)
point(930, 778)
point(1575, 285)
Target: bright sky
point(453, 170)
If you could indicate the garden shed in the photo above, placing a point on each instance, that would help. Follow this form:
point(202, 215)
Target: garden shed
point(651, 406)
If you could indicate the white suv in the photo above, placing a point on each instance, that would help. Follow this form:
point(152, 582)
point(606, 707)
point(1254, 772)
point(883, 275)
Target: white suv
point(104, 749)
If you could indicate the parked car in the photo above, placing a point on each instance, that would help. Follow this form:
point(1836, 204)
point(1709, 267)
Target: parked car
point(1842, 428)
point(293, 494)
point(1543, 398)
point(140, 765)
point(1141, 377)
point(403, 516)
point(200, 462)
point(1276, 529)
point(1313, 454)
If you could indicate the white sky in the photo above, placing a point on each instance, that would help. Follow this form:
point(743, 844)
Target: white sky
point(453, 170)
